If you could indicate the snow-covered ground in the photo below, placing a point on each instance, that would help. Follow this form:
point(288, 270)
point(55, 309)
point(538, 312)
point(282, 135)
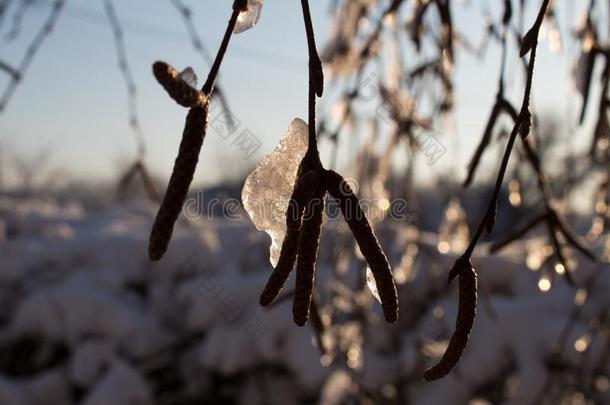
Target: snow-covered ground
point(87, 318)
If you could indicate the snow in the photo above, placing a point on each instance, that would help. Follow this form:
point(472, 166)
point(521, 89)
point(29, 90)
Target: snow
point(195, 315)
point(122, 384)
point(89, 360)
point(46, 388)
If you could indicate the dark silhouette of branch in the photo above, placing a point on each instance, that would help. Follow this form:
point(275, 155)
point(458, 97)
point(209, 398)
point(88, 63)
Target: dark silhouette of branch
point(188, 154)
point(364, 55)
point(10, 70)
point(3, 7)
point(138, 167)
point(130, 85)
point(22, 8)
point(187, 17)
point(518, 233)
point(554, 222)
point(304, 225)
point(31, 51)
point(462, 267)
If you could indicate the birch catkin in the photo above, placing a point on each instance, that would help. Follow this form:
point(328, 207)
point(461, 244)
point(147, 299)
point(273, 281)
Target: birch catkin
point(192, 137)
point(463, 324)
point(182, 175)
point(309, 241)
point(179, 90)
point(301, 195)
point(367, 242)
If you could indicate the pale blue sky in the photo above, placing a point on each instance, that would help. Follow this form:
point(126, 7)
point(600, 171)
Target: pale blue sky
point(73, 100)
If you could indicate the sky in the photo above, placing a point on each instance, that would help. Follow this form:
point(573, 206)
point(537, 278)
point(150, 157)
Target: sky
point(72, 102)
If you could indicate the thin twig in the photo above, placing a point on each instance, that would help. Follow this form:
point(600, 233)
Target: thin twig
point(3, 7)
point(522, 123)
point(238, 6)
point(316, 80)
point(31, 51)
point(18, 15)
point(188, 155)
point(10, 70)
point(462, 267)
point(187, 17)
point(132, 108)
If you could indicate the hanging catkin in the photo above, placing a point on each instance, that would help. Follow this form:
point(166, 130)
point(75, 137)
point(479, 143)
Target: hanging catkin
point(178, 89)
point(192, 136)
point(465, 319)
point(301, 195)
point(182, 175)
point(309, 242)
point(367, 242)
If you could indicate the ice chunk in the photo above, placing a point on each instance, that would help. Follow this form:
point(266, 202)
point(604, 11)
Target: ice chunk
point(370, 282)
point(248, 19)
point(189, 76)
point(268, 188)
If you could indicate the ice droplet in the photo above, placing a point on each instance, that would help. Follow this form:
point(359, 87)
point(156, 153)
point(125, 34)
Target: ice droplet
point(248, 19)
point(268, 188)
point(370, 282)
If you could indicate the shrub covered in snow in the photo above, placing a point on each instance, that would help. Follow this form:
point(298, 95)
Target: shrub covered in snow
point(87, 318)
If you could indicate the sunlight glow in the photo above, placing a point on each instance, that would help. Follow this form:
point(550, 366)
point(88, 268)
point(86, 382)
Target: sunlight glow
point(580, 297)
point(559, 268)
point(443, 246)
point(544, 284)
point(582, 343)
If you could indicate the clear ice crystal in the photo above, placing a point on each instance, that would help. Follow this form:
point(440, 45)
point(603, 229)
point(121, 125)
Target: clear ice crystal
point(370, 282)
point(189, 76)
point(268, 188)
point(248, 19)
